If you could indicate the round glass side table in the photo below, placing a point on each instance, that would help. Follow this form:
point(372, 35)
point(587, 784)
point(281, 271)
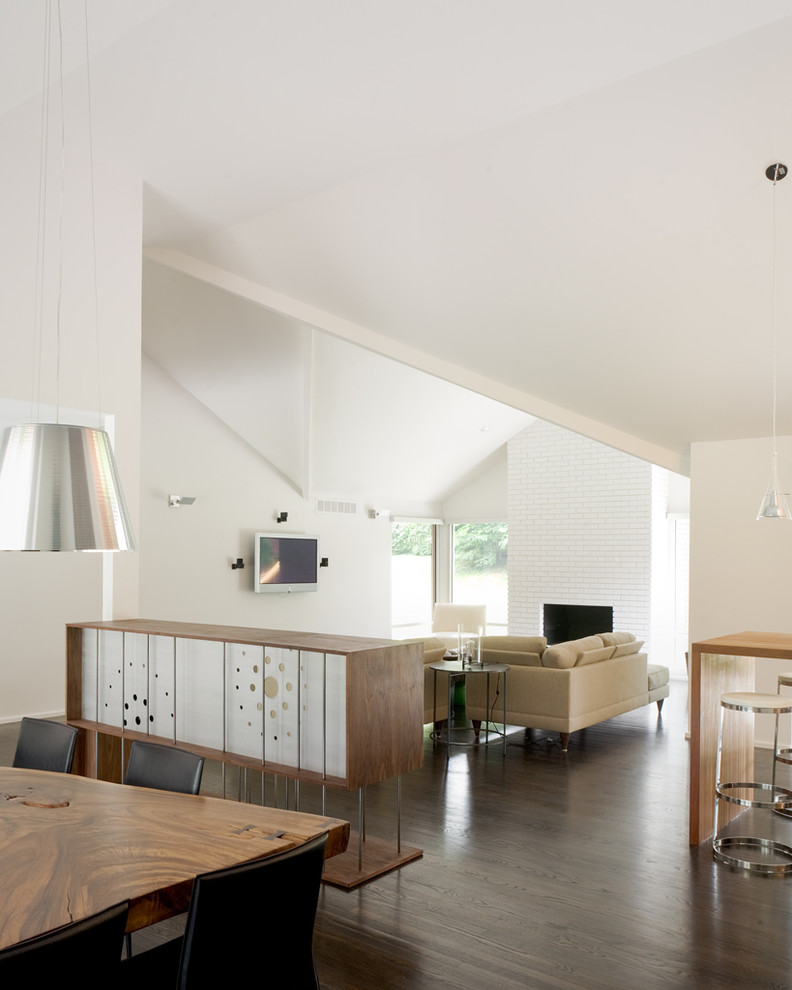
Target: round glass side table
point(458, 670)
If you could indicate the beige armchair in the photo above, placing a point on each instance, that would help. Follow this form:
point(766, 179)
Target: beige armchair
point(448, 616)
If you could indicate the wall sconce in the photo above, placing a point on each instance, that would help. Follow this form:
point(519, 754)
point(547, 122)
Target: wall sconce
point(282, 517)
point(174, 501)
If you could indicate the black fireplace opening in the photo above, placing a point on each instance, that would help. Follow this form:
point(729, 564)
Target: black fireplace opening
point(563, 622)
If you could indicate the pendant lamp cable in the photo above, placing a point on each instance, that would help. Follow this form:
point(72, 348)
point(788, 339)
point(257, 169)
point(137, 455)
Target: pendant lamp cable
point(41, 227)
point(774, 318)
point(94, 252)
point(774, 503)
point(60, 216)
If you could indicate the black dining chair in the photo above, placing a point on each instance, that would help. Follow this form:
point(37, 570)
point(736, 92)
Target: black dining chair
point(270, 900)
point(164, 767)
point(87, 951)
point(45, 745)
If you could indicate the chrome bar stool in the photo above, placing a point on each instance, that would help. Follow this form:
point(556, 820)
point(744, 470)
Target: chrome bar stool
point(783, 755)
point(774, 858)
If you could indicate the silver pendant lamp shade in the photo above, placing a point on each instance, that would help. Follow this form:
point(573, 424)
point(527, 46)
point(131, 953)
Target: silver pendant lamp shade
point(59, 490)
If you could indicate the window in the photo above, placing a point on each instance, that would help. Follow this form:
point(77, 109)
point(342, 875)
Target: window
point(479, 572)
point(412, 579)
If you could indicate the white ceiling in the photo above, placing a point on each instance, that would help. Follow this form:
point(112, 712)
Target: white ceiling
point(334, 419)
point(563, 205)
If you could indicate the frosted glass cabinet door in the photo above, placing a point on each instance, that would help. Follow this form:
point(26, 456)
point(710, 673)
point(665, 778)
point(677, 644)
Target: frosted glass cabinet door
point(281, 706)
point(200, 692)
point(323, 713)
point(136, 678)
point(89, 675)
point(244, 694)
point(335, 706)
point(111, 677)
point(162, 686)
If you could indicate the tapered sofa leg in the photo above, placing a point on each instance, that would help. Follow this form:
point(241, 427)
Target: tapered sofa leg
point(564, 741)
point(659, 704)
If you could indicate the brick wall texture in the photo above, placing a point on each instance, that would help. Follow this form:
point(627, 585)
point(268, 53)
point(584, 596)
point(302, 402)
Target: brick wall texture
point(580, 528)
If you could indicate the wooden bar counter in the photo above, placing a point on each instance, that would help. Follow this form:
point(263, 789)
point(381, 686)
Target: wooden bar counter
point(725, 663)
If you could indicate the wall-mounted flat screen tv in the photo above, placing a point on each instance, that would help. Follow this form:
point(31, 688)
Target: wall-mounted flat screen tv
point(285, 563)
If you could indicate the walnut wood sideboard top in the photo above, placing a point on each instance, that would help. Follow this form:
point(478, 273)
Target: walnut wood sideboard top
point(287, 639)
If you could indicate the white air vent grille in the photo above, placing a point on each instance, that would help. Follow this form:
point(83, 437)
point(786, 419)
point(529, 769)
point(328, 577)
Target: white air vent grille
point(336, 505)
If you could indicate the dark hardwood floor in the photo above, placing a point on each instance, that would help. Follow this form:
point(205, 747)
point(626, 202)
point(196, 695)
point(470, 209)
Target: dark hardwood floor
point(545, 871)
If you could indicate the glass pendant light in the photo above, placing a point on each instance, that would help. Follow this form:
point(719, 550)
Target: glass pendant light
point(774, 503)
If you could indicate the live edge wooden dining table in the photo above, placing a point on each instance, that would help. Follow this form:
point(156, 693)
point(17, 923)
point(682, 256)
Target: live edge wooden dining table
point(71, 846)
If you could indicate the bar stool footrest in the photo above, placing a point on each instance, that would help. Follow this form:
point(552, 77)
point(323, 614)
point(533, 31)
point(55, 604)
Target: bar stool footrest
point(780, 795)
point(784, 756)
point(765, 846)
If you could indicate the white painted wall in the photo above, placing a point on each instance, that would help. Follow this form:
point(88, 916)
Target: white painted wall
point(40, 592)
point(739, 568)
point(484, 498)
point(186, 570)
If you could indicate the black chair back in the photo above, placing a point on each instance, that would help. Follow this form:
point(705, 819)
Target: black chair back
point(45, 745)
point(164, 767)
point(89, 952)
point(272, 900)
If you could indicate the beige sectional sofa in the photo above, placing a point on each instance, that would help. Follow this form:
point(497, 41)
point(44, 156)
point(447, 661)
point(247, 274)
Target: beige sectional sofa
point(568, 686)
point(560, 688)
point(434, 649)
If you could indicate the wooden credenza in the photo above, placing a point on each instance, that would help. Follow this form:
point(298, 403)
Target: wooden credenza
point(342, 711)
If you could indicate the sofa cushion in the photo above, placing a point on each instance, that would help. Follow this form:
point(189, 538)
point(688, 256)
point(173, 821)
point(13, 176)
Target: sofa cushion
point(627, 649)
point(433, 649)
point(565, 655)
point(594, 656)
point(520, 651)
point(616, 638)
point(658, 676)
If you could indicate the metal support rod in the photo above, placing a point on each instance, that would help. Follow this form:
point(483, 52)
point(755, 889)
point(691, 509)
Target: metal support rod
point(360, 828)
point(718, 761)
point(174, 694)
point(504, 712)
point(398, 813)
